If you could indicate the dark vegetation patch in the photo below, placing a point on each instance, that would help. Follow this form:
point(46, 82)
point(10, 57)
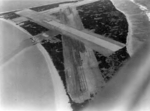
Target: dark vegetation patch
point(104, 19)
point(55, 51)
point(110, 65)
point(33, 28)
point(9, 15)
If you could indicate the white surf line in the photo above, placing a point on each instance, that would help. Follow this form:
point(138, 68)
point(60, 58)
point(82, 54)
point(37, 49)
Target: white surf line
point(59, 89)
point(144, 8)
point(52, 2)
point(131, 23)
point(61, 98)
point(17, 26)
point(79, 3)
point(12, 23)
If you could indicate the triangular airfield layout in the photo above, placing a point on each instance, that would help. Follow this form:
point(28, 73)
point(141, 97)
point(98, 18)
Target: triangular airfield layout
point(87, 40)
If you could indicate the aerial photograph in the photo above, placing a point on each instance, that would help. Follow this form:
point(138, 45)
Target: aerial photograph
point(74, 55)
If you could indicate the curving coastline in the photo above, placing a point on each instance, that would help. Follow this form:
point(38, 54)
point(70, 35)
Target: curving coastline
point(61, 99)
point(138, 21)
point(12, 43)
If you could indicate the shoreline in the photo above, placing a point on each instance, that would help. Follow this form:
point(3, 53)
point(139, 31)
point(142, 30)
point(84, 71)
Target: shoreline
point(17, 26)
point(52, 2)
point(59, 89)
point(18, 49)
point(133, 42)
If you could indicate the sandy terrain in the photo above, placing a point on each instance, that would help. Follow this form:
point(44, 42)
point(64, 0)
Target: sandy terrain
point(138, 20)
point(26, 81)
point(13, 40)
point(28, 78)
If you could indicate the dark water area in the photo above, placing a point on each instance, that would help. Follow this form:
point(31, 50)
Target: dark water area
point(104, 19)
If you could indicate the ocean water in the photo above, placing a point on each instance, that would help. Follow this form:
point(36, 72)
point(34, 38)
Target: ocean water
point(27, 80)
point(8, 5)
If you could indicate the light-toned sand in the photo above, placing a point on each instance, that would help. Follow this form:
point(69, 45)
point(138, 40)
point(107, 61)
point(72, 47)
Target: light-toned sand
point(145, 3)
point(26, 82)
point(9, 5)
point(28, 79)
point(62, 100)
point(129, 89)
point(11, 40)
point(138, 20)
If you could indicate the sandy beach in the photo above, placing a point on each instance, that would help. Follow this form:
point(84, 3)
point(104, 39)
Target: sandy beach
point(29, 80)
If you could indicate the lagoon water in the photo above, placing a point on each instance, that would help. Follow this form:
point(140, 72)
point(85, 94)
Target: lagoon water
point(28, 80)
point(8, 5)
